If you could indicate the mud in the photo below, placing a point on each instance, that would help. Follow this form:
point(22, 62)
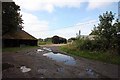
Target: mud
point(44, 67)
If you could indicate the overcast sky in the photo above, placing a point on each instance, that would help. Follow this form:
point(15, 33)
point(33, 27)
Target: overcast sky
point(46, 18)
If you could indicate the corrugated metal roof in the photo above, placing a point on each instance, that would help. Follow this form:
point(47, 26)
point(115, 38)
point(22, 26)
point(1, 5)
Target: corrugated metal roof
point(20, 34)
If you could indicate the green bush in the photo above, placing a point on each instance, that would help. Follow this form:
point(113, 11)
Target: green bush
point(86, 44)
point(82, 44)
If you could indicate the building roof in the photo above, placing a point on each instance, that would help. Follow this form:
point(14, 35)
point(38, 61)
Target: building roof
point(20, 34)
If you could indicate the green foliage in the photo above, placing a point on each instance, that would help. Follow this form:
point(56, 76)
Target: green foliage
point(44, 41)
point(40, 39)
point(48, 39)
point(41, 43)
point(106, 31)
point(71, 39)
point(83, 44)
point(90, 45)
point(94, 31)
point(11, 18)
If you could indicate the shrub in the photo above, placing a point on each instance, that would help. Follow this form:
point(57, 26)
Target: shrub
point(86, 44)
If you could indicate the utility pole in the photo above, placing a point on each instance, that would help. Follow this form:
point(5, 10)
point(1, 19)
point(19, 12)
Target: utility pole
point(79, 32)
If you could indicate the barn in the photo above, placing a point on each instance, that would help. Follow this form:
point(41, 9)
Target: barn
point(58, 40)
point(18, 39)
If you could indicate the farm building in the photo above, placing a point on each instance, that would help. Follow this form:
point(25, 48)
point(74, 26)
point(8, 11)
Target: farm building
point(58, 40)
point(18, 39)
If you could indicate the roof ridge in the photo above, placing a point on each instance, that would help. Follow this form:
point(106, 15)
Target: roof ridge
point(21, 34)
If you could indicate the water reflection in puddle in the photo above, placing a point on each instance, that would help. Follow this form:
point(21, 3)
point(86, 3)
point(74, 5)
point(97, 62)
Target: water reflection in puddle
point(25, 69)
point(61, 58)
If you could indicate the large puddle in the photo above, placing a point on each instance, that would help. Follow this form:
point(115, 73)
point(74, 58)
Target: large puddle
point(61, 58)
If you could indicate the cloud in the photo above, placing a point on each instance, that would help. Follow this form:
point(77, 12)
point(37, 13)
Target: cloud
point(47, 5)
point(32, 24)
point(93, 4)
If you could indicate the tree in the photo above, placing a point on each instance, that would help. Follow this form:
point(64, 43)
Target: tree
point(48, 39)
point(116, 38)
point(94, 31)
point(40, 39)
point(71, 39)
point(11, 18)
point(106, 31)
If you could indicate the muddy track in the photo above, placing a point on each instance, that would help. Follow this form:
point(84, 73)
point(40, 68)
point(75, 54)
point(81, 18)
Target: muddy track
point(40, 66)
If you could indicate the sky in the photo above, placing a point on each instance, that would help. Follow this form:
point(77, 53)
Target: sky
point(46, 18)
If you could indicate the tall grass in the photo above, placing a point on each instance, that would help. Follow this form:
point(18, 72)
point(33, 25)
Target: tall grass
point(95, 55)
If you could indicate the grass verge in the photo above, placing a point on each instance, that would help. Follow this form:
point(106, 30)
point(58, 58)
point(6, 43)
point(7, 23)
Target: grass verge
point(100, 56)
point(44, 43)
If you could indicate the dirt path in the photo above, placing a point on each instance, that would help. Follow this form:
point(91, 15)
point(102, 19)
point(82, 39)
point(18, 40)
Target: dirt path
point(44, 67)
